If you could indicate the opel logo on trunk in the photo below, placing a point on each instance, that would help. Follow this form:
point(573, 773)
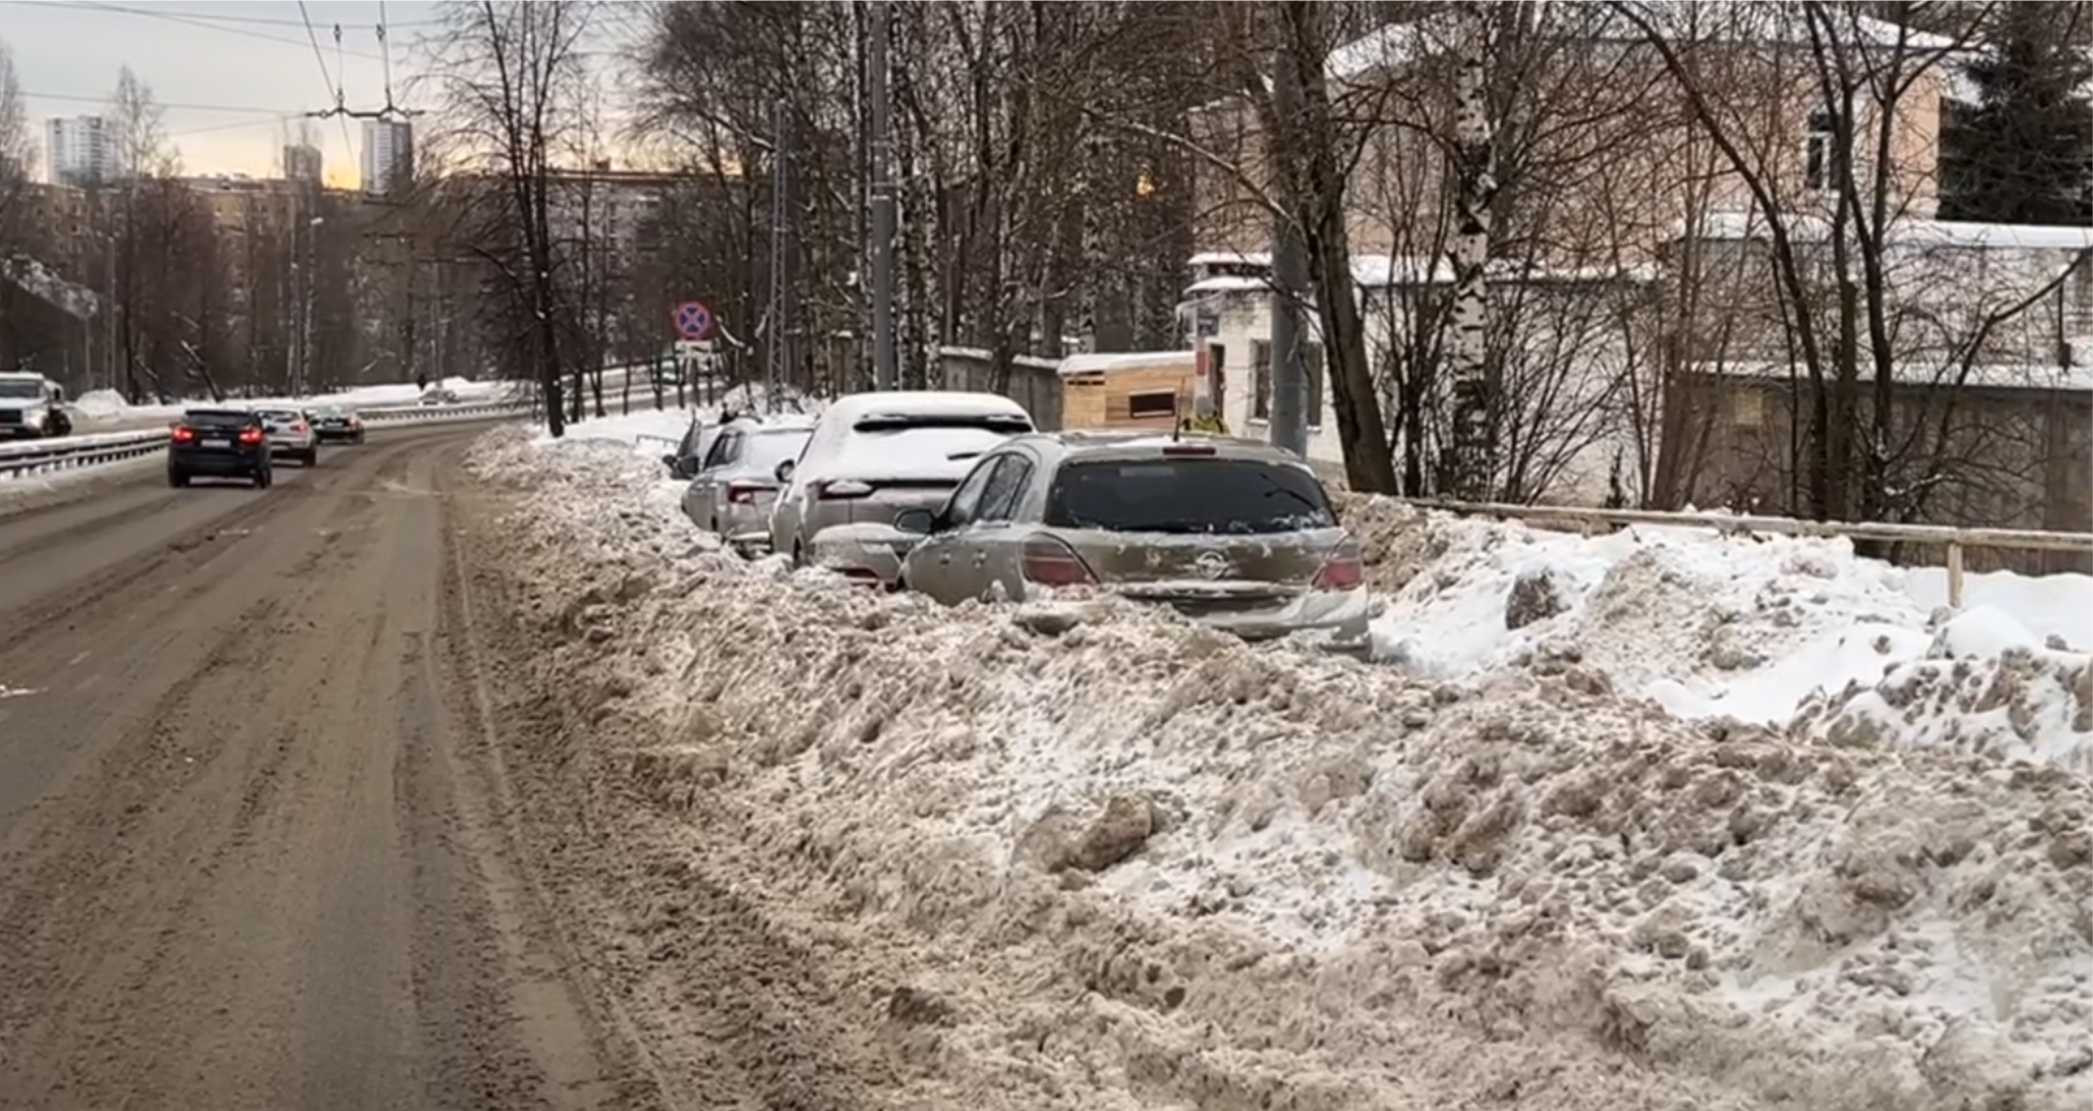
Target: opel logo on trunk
point(1211, 565)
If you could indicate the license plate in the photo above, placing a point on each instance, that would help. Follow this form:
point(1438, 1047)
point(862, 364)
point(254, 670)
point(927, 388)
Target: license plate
point(215, 442)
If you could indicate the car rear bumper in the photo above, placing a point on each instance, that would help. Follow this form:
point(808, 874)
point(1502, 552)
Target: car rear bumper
point(325, 434)
point(1336, 618)
point(291, 447)
point(869, 553)
point(215, 462)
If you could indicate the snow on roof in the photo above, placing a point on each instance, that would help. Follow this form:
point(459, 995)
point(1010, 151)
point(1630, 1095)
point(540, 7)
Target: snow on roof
point(1230, 258)
point(1120, 361)
point(1997, 376)
point(1229, 283)
point(922, 403)
point(1911, 231)
point(1399, 43)
point(983, 354)
point(1380, 271)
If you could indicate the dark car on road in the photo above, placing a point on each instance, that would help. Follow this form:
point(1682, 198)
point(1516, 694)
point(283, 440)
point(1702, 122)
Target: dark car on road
point(219, 443)
point(333, 423)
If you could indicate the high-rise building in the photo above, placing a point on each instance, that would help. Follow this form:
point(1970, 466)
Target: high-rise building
point(388, 156)
point(83, 151)
point(302, 162)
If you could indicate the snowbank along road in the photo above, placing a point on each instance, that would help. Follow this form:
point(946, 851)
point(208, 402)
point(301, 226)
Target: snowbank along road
point(467, 774)
point(1081, 854)
point(253, 845)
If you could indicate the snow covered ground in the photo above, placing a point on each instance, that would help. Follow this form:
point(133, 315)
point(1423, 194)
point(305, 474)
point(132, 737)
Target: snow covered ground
point(1765, 631)
point(1618, 856)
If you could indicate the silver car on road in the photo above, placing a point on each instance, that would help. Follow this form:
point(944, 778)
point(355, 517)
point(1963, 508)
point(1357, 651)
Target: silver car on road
point(875, 454)
point(736, 485)
point(1233, 534)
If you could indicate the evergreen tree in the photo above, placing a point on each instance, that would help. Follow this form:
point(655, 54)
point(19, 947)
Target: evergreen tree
point(2022, 153)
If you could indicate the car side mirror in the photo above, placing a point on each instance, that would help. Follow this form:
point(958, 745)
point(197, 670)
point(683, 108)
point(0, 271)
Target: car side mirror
point(784, 470)
point(916, 522)
point(674, 465)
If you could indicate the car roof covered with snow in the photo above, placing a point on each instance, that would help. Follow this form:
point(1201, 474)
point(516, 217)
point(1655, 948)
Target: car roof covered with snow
point(852, 408)
point(908, 434)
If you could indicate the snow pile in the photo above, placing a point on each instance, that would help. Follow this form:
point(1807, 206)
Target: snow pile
point(1143, 864)
point(1770, 631)
point(102, 403)
point(1708, 625)
point(639, 429)
point(1980, 688)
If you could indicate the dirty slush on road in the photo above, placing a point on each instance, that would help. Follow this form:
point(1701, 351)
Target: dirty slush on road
point(824, 848)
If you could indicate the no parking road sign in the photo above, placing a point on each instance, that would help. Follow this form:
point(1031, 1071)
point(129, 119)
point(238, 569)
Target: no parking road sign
point(694, 321)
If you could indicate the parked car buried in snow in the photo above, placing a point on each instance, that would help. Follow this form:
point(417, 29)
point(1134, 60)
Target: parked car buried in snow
point(1232, 534)
point(737, 484)
point(873, 455)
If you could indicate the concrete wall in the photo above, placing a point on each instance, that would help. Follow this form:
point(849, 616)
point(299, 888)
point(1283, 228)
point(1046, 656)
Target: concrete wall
point(1032, 382)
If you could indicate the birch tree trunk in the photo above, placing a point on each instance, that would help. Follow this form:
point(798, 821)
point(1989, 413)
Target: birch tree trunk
point(1469, 471)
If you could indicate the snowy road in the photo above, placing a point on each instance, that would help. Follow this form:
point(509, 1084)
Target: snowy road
point(254, 846)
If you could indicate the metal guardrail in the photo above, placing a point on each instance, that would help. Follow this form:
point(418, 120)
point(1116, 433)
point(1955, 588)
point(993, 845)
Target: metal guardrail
point(1950, 537)
point(72, 452)
point(40, 456)
point(466, 411)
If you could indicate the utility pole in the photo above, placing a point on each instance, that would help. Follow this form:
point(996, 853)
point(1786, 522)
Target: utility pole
point(1289, 419)
point(883, 355)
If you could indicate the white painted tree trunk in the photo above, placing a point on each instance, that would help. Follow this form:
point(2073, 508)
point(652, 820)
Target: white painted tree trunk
point(1473, 454)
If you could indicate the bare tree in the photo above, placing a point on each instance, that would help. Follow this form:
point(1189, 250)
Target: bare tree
point(510, 77)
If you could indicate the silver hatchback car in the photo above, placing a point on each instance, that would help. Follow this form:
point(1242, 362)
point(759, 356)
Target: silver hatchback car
point(737, 483)
point(1233, 534)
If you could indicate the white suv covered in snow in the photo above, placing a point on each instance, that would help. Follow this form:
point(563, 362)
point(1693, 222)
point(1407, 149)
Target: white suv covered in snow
point(32, 405)
point(873, 455)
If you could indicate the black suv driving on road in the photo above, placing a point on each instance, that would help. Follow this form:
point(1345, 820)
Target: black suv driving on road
point(227, 443)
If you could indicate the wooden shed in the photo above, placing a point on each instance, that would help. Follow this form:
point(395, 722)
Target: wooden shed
point(1137, 389)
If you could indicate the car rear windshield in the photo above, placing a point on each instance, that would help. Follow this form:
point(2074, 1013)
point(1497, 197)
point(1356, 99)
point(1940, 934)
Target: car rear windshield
point(767, 449)
point(1224, 496)
point(19, 388)
point(278, 414)
point(217, 418)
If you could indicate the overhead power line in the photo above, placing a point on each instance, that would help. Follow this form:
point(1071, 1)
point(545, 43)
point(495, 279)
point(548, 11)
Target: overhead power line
point(81, 98)
point(334, 89)
point(184, 19)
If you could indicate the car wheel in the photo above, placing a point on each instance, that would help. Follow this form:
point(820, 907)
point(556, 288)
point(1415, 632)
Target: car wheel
point(177, 479)
point(798, 558)
point(312, 457)
point(262, 479)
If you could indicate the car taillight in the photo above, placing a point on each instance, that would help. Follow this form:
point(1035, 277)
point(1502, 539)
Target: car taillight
point(1049, 562)
point(1342, 571)
point(844, 488)
point(744, 493)
point(298, 427)
point(183, 434)
point(250, 435)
